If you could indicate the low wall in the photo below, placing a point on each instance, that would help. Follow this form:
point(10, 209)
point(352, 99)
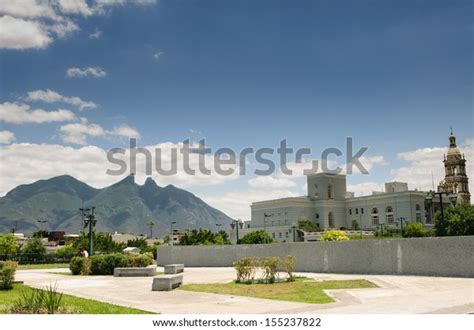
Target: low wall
point(434, 256)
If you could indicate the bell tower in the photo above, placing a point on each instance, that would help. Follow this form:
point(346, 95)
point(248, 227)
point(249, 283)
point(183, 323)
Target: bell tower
point(456, 180)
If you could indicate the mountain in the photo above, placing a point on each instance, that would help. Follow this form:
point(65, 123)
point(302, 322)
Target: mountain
point(122, 207)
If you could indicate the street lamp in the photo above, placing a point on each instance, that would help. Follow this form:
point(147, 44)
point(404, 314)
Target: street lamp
point(218, 225)
point(452, 198)
point(265, 216)
point(89, 220)
point(402, 220)
point(236, 224)
point(42, 222)
point(171, 231)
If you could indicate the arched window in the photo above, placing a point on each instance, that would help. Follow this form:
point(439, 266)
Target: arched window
point(375, 216)
point(329, 191)
point(330, 220)
point(389, 215)
point(417, 207)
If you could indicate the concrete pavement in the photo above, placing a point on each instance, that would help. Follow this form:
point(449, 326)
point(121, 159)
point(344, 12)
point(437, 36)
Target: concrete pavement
point(395, 294)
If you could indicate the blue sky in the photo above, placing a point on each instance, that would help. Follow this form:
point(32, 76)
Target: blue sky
point(392, 74)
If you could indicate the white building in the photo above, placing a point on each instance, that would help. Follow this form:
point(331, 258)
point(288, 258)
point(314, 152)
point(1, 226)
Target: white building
point(328, 205)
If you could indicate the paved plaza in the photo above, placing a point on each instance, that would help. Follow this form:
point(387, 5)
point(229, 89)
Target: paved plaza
point(395, 294)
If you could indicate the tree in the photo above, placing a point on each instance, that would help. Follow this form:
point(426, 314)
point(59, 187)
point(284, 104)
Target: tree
point(34, 248)
point(334, 235)
point(8, 244)
point(204, 237)
point(150, 224)
point(41, 234)
point(459, 220)
point(414, 229)
point(256, 237)
point(307, 226)
point(138, 242)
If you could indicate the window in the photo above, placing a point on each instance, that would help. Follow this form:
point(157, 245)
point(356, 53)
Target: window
point(279, 234)
point(417, 207)
point(375, 210)
point(286, 234)
point(350, 211)
point(329, 191)
point(330, 220)
point(389, 209)
point(317, 215)
point(357, 211)
point(273, 235)
point(418, 217)
point(361, 210)
point(375, 219)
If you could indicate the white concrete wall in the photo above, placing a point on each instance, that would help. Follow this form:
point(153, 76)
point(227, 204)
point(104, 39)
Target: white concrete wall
point(434, 256)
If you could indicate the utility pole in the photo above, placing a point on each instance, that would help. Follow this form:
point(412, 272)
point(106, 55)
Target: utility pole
point(265, 216)
point(89, 220)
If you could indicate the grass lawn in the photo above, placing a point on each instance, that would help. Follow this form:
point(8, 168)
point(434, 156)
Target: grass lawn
point(42, 266)
point(302, 290)
point(78, 305)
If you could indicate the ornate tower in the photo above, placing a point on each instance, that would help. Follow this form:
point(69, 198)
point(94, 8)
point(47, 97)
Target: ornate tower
point(456, 180)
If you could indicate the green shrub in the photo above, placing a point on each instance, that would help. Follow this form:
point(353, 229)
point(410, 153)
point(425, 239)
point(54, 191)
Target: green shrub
point(8, 244)
point(37, 301)
point(246, 268)
point(414, 229)
point(334, 235)
point(269, 267)
point(288, 266)
point(256, 237)
point(7, 274)
point(139, 260)
point(104, 264)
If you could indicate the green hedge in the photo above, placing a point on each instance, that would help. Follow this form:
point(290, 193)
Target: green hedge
point(104, 264)
point(7, 274)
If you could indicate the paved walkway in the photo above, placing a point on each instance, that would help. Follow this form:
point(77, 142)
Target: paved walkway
point(396, 294)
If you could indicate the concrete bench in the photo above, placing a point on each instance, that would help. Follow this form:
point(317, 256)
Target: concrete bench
point(134, 271)
point(174, 268)
point(167, 282)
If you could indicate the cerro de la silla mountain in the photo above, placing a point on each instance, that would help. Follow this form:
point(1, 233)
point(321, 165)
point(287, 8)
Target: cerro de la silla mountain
point(122, 207)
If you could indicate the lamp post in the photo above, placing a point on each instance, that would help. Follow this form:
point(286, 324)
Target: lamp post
point(42, 222)
point(89, 220)
point(452, 199)
point(402, 220)
point(265, 216)
point(218, 225)
point(171, 232)
point(236, 223)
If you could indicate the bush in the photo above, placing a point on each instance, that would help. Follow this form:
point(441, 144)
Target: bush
point(459, 221)
point(104, 264)
point(414, 229)
point(37, 301)
point(308, 226)
point(34, 249)
point(246, 268)
point(8, 245)
point(256, 237)
point(355, 225)
point(334, 235)
point(288, 266)
point(7, 274)
point(269, 267)
point(80, 266)
point(139, 260)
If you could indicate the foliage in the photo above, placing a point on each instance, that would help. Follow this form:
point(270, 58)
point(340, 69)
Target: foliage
point(104, 264)
point(246, 268)
point(288, 265)
point(37, 301)
point(139, 260)
point(103, 242)
point(256, 237)
point(7, 274)
point(41, 234)
point(139, 242)
point(307, 226)
point(66, 252)
point(334, 235)
point(34, 247)
point(414, 229)
point(80, 266)
point(204, 237)
point(459, 220)
point(269, 267)
point(8, 244)
point(355, 225)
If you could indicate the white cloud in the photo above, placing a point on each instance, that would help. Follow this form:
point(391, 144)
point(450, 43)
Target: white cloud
point(50, 96)
point(157, 56)
point(365, 188)
point(26, 162)
point(27, 8)
point(6, 137)
point(97, 72)
point(236, 204)
point(96, 34)
point(271, 182)
point(125, 131)
point(20, 113)
point(77, 133)
point(79, 7)
point(19, 33)
point(426, 161)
